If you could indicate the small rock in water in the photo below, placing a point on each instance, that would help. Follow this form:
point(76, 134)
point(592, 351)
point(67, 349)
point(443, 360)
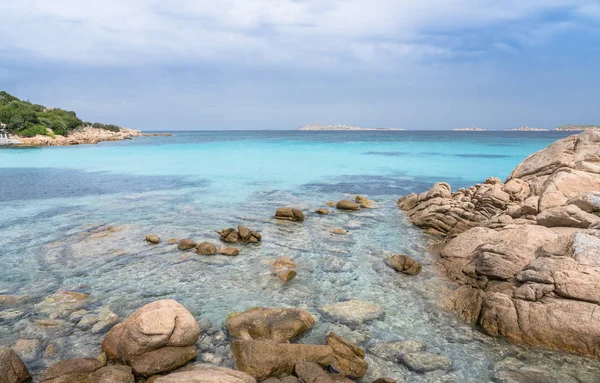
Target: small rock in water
point(10, 314)
point(425, 361)
point(347, 205)
point(360, 199)
point(206, 248)
point(368, 204)
point(154, 239)
point(284, 268)
point(330, 203)
point(229, 251)
point(339, 231)
point(404, 264)
point(289, 214)
point(186, 244)
point(50, 351)
point(392, 350)
point(172, 241)
point(286, 275)
point(323, 211)
point(87, 321)
point(353, 311)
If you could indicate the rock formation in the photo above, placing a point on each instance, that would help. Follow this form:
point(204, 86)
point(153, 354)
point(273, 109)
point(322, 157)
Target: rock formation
point(157, 337)
point(242, 234)
point(289, 214)
point(525, 253)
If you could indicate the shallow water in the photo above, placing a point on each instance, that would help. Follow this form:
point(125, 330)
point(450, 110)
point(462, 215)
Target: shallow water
point(56, 204)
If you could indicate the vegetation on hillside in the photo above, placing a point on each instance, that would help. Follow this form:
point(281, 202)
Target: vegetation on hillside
point(26, 119)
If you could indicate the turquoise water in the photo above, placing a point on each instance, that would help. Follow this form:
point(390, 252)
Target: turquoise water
point(57, 202)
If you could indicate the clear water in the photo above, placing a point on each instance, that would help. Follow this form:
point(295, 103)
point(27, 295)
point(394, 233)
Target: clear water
point(56, 203)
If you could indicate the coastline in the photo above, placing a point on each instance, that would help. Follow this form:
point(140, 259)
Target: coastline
point(84, 136)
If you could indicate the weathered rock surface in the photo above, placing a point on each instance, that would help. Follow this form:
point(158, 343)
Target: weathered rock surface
point(404, 264)
point(12, 368)
point(205, 374)
point(157, 337)
point(264, 359)
point(289, 214)
point(276, 324)
point(242, 234)
point(73, 370)
point(348, 359)
point(525, 253)
point(425, 361)
point(85, 135)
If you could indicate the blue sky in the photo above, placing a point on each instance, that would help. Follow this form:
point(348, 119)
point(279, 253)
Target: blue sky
point(249, 64)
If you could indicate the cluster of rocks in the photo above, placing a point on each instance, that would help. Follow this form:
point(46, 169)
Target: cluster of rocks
point(526, 252)
point(241, 235)
point(207, 248)
point(157, 342)
point(86, 135)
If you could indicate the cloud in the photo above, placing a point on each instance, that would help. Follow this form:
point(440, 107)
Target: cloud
point(310, 33)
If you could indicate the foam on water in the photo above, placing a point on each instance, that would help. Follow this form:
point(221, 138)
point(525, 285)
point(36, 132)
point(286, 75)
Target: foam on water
point(57, 202)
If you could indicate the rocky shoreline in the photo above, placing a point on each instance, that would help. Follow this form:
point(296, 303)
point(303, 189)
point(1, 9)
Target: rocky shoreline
point(87, 135)
point(525, 253)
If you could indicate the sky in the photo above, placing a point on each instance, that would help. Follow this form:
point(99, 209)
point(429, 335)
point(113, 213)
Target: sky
point(280, 64)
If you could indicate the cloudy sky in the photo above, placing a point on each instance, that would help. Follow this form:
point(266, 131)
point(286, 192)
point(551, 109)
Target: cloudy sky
point(279, 64)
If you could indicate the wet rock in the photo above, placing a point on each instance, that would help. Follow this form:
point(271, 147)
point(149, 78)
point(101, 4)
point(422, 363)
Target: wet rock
point(229, 251)
point(353, 311)
point(338, 231)
point(186, 244)
point(158, 337)
point(404, 264)
point(348, 359)
point(284, 268)
point(12, 368)
point(264, 359)
point(391, 351)
point(154, 239)
point(87, 321)
point(276, 324)
point(330, 203)
point(286, 275)
point(73, 370)
point(347, 205)
point(425, 362)
point(6, 315)
point(368, 204)
point(11, 300)
point(50, 351)
point(62, 301)
point(113, 374)
point(106, 318)
point(206, 248)
point(289, 214)
point(205, 374)
point(323, 211)
point(290, 379)
point(172, 241)
point(360, 199)
point(27, 349)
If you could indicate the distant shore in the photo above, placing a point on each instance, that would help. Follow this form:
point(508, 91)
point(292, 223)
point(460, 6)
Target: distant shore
point(339, 127)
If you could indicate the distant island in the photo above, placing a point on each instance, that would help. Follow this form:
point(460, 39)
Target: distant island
point(570, 127)
point(470, 129)
point(31, 124)
point(339, 127)
point(528, 129)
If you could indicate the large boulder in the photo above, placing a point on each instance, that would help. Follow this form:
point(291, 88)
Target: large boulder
point(157, 337)
point(276, 324)
point(289, 214)
point(12, 368)
point(264, 359)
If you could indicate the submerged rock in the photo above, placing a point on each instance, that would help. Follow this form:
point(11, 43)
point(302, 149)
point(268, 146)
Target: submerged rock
point(205, 374)
point(404, 264)
point(276, 324)
point(154, 239)
point(229, 251)
point(289, 214)
point(353, 311)
point(347, 205)
point(284, 268)
point(12, 368)
point(264, 359)
point(27, 349)
point(158, 337)
point(323, 211)
point(425, 361)
point(73, 370)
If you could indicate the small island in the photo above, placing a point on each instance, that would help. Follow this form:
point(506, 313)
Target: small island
point(26, 124)
point(339, 127)
point(528, 129)
point(575, 128)
point(469, 129)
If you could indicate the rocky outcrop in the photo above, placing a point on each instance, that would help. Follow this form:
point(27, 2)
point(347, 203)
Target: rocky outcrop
point(276, 324)
point(525, 253)
point(87, 135)
point(12, 368)
point(289, 214)
point(242, 234)
point(157, 337)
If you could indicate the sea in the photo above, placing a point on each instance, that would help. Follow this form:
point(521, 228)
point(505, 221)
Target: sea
point(75, 218)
